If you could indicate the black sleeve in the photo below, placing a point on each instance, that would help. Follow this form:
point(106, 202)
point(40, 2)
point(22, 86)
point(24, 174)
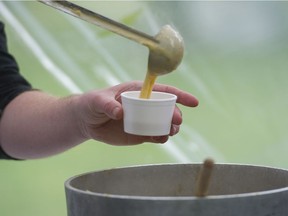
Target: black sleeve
point(11, 81)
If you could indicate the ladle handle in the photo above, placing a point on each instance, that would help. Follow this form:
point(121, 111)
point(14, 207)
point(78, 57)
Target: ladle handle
point(204, 178)
point(101, 21)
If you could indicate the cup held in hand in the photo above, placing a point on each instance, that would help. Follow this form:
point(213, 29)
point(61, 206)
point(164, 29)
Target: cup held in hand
point(148, 117)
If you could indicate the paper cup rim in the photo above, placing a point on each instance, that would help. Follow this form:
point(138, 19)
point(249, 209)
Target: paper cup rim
point(169, 96)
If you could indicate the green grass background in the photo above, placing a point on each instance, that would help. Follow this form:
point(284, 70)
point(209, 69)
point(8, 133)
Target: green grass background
point(235, 63)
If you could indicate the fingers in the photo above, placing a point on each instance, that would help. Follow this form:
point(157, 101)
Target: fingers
point(117, 112)
point(176, 121)
point(174, 129)
point(105, 102)
point(177, 116)
point(187, 99)
point(159, 139)
point(163, 139)
point(183, 97)
point(135, 140)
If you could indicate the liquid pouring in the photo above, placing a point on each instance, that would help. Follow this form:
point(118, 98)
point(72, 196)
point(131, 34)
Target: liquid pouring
point(165, 49)
point(163, 58)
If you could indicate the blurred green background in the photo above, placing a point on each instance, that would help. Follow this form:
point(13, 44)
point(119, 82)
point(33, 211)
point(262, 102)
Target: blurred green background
point(236, 61)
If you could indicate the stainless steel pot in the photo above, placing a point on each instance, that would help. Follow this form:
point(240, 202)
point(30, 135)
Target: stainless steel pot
point(167, 190)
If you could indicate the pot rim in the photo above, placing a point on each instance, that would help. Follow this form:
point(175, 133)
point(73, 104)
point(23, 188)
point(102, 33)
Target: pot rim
point(177, 198)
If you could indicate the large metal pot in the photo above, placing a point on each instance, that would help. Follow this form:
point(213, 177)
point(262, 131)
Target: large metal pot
point(167, 190)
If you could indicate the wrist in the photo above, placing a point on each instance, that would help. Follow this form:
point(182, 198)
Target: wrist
point(76, 105)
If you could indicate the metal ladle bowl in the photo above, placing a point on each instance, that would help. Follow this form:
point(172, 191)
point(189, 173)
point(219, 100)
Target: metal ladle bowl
point(166, 48)
point(165, 57)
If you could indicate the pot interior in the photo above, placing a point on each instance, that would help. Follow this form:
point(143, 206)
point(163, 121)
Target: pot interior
point(179, 180)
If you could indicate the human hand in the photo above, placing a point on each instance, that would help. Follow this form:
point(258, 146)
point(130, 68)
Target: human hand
point(100, 114)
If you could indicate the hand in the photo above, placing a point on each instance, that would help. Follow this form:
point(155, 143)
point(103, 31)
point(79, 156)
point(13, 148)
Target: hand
point(100, 114)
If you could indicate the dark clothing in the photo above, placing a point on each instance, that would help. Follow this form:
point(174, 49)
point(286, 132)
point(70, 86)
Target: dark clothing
point(11, 82)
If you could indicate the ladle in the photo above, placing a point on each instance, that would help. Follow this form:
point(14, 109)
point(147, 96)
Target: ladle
point(165, 49)
point(204, 178)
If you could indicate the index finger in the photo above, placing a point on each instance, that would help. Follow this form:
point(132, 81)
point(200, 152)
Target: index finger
point(183, 97)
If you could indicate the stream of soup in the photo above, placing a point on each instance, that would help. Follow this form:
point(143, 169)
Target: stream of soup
point(148, 85)
point(163, 57)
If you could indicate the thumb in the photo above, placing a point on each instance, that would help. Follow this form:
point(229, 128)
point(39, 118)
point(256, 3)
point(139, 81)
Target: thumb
point(112, 108)
point(117, 112)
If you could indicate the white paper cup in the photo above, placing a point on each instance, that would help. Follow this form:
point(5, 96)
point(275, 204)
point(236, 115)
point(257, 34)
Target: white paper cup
point(148, 117)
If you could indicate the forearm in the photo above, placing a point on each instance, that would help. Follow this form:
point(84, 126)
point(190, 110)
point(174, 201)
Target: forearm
point(36, 125)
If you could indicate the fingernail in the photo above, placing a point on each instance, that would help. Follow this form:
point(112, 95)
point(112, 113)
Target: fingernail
point(174, 129)
point(116, 112)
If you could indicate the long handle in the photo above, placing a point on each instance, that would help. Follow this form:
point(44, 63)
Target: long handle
point(204, 178)
point(101, 21)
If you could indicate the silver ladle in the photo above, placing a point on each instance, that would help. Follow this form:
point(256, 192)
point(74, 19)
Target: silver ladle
point(165, 49)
